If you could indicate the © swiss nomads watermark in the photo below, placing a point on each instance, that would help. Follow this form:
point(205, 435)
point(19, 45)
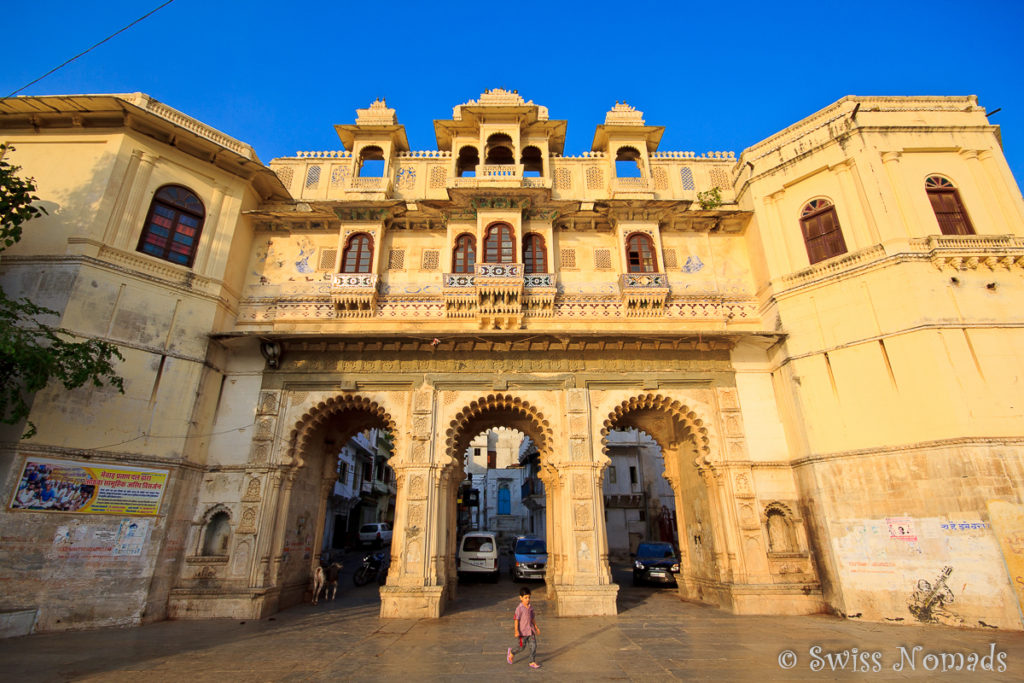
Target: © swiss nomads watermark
point(901, 659)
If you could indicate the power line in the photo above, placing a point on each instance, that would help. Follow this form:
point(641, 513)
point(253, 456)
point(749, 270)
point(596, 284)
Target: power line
point(112, 35)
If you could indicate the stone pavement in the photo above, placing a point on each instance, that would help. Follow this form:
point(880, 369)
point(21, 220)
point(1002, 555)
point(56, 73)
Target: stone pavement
point(655, 637)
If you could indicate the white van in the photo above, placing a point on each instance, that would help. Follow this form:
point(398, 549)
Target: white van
point(478, 554)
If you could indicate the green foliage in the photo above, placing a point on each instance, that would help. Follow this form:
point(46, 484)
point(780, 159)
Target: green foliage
point(710, 199)
point(33, 353)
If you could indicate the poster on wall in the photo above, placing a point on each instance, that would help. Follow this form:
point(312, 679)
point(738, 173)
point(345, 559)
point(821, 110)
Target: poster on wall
point(88, 488)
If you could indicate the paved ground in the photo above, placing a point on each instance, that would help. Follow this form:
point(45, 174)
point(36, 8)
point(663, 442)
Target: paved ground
point(655, 637)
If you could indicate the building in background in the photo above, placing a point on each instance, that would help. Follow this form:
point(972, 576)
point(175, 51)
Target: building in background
point(822, 335)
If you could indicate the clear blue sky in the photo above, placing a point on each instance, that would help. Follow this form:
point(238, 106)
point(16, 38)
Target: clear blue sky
point(717, 75)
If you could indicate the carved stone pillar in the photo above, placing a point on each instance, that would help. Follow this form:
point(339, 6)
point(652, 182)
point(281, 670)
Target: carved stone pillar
point(326, 486)
point(585, 587)
point(280, 524)
point(414, 589)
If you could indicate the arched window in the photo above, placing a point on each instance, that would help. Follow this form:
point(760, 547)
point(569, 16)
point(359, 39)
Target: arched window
point(358, 254)
point(217, 534)
point(533, 163)
point(627, 163)
point(504, 500)
point(640, 254)
point(173, 225)
point(465, 165)
point(535, 255)
point(464, 255)
point(371, 162)
point(822, 235)
point(498, 244)
point(499, 150)
point(948, 208)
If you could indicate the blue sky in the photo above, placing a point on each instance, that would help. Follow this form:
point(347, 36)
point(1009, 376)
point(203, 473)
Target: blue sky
point(718, 76)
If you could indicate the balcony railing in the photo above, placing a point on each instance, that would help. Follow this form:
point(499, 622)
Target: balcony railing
point(354, 294)
point(627, 185)
point(499, 171)
point(643, 293)
point(369, 185)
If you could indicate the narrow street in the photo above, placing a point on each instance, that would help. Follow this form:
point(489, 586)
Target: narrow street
point(654, 637)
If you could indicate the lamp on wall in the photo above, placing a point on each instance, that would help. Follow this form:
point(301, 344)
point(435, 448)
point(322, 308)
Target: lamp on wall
point(271, 350)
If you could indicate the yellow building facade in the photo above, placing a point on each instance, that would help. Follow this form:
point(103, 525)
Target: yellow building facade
point(820, 334)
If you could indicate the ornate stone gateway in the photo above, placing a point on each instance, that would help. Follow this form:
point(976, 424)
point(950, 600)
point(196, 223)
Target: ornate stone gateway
point(566, 395)
point(819, 336)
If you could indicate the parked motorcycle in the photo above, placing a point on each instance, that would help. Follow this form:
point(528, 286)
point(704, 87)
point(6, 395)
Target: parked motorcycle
point(375, 566)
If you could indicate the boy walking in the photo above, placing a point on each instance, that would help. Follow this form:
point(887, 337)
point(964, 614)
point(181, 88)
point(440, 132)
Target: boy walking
point(526, 629)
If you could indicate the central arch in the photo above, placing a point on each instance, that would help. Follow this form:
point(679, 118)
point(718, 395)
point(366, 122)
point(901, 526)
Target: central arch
point(479, 415)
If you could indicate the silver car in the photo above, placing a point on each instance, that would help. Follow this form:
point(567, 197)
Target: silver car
point(529, 558)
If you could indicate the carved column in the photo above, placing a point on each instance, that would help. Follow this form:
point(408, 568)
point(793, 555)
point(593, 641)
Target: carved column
point(416, 584)
point(583, 583)
point(984, 218)
point(326, 486)
point(280, 524)
point(134, 212)
point(908, 219)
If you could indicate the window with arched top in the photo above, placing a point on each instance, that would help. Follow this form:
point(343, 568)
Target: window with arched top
point(371, 162)
point(627, 163)
point(535, 257)
point(467, 161)
point(498, 244)
point(217, 534)
point(533, 162)
point(822, 234)
point(358, 254)
point(640, 254)
point(498, 150)
point(948, 208)
point(464, 254)
point(173, 225)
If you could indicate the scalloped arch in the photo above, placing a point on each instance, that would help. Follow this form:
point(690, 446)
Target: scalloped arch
point(688, 423)
point(365, 414)
point(508, 411)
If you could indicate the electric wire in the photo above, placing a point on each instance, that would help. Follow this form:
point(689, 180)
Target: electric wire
point(81, 54)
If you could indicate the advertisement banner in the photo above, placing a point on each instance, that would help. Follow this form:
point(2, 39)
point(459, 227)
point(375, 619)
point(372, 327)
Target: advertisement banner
point(88, 488)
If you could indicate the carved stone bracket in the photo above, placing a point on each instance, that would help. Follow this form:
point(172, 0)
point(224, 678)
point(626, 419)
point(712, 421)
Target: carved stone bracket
point(354, 295)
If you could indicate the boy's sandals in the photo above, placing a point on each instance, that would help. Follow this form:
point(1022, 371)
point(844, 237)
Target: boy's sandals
point(508, 657)
point(534, 665)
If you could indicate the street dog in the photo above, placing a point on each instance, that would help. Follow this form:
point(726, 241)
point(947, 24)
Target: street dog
point(318, 583)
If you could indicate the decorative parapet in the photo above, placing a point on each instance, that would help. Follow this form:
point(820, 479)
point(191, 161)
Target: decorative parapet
point(539, 291)
point(499, 171)
point(970, 252)
point(354, 294)
point(949, 252)
point(369, 185)
point(325, 154)
point(644, 294)
point(631, 185)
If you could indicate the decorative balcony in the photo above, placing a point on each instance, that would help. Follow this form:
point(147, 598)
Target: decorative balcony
point(459, 292)
point(354, 294)
point(499, 288)
point(644, 293)
point(493, 295)
point(539, 294)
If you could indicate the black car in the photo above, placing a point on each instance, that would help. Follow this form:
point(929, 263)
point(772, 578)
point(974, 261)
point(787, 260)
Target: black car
point(655, 563)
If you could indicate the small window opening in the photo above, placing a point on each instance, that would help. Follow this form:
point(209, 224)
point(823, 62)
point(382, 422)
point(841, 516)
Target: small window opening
point(469, 159)
point(464, 254)
point(640, 254)
point(371, 162)
point(499, 150)
point(627, 163)
point(498, 244)
point(218, 533)
point(358, 254)
point(533, 163)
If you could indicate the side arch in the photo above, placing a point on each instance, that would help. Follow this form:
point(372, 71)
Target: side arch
point(646, 412)
point(358, 412)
